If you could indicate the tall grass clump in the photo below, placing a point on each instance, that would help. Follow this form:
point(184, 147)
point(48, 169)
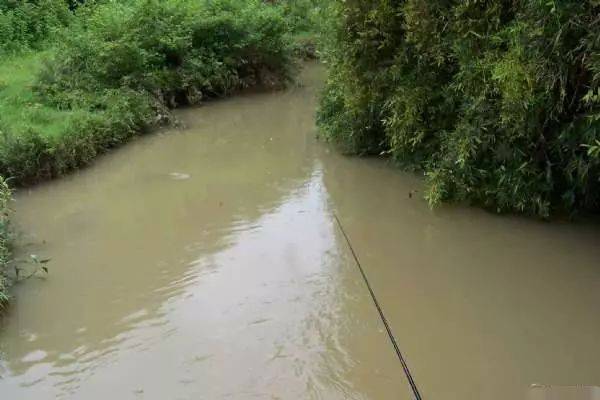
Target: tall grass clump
point(497, 101)
point(121, 66)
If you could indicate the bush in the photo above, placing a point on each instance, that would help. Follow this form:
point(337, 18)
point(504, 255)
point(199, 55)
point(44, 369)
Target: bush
point(120, 67)
point(178, 51)
point(27, 23)
point(498, 102)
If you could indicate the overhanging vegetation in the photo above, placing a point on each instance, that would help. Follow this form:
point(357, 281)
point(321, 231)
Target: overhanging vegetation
point(498, 102)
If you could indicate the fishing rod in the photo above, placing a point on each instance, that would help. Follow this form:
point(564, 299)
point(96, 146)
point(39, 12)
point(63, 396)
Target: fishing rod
point(390, 334)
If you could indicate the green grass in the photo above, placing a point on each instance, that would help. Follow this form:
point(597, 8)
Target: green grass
point(21, 109)
point(37, 139)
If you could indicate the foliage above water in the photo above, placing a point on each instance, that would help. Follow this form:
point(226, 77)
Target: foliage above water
point(498, 102)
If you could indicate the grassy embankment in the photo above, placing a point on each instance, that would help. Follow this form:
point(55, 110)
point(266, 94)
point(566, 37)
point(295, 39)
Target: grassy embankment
point(25, 123)
point(72, 86)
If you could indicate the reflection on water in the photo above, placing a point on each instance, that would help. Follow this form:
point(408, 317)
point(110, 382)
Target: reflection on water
point(204, 263)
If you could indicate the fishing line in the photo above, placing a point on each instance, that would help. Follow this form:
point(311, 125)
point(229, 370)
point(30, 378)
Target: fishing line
point(411, 381)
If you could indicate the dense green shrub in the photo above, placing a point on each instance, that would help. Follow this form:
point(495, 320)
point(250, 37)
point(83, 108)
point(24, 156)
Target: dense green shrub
point(176, 50)
point(497, 101)
point(27, 23)
point(122, 65)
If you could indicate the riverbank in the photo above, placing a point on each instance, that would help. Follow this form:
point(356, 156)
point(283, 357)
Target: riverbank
point(112, 77)
point(114, 71)
point(26, 124)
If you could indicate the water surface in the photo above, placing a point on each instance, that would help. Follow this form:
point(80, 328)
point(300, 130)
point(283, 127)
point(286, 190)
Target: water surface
point(204, 262)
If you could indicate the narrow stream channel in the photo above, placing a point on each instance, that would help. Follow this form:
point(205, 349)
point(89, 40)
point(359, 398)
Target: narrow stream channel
point(204, 262)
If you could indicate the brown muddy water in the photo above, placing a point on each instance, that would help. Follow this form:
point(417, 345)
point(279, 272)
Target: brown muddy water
point(205, 263)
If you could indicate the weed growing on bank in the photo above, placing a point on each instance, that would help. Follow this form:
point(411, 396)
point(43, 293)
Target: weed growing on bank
point(79, 77)
point(5, 238)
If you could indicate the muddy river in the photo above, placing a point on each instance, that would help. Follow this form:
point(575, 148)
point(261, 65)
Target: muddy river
point(205, 262)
